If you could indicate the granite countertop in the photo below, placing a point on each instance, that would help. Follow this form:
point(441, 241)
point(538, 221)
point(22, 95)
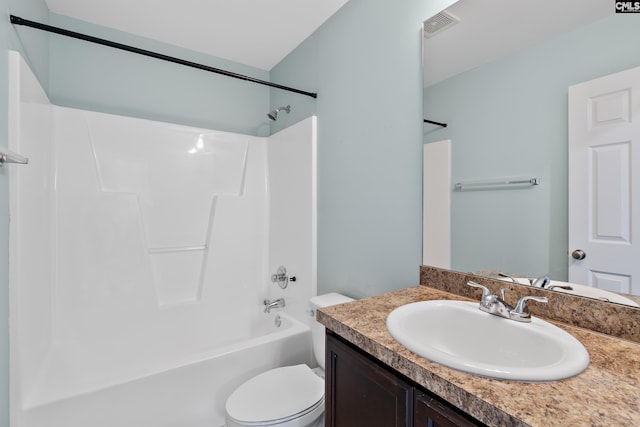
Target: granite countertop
point(606, 393)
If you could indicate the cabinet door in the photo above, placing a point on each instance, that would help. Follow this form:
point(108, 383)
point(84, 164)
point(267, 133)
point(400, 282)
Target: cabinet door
point(430, 412)
point(361, 393)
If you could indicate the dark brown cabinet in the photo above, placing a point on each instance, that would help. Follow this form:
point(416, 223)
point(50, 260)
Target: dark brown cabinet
point(430, 412)
point(363, 392)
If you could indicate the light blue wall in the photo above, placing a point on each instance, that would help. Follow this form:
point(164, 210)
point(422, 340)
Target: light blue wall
point(11, 38)
point(365, 64)
point(33, 45)
point(509, 118)
point(94, 77)
point(4, 227)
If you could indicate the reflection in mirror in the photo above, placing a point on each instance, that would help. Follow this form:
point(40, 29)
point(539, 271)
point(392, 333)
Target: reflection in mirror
point(499, 78)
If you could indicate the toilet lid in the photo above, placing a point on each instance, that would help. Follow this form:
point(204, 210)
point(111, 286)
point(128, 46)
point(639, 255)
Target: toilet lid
point(276, 394)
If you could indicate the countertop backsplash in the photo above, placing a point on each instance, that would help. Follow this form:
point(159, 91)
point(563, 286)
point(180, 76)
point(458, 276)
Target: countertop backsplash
point(600, 316)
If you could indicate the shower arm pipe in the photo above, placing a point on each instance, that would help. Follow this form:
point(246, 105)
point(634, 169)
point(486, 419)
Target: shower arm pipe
point(16, 20)
point(444, 125)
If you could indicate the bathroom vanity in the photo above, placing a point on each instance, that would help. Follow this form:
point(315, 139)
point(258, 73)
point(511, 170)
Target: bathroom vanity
point(373, 380)
point(361, 391)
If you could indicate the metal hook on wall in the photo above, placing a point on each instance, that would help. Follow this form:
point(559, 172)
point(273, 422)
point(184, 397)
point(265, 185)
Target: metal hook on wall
point(7, 156)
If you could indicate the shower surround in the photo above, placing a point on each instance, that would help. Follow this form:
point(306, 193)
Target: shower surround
point(140, 258)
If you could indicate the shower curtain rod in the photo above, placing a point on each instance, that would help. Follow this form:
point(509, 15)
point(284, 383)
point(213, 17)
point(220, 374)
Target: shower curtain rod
point(444, 125)
point(16, 20)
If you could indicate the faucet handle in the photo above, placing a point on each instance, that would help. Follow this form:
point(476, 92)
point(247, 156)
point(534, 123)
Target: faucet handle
point(485, 291)
point(487, 295)
point(518, 313)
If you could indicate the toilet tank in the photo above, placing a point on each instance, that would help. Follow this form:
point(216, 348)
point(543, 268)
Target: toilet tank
point(317, 329)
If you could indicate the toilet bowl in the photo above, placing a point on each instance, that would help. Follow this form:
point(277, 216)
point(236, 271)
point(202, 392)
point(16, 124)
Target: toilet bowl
point(290, 396)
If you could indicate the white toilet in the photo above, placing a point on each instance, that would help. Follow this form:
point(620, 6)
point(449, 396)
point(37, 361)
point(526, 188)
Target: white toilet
point(291, 396)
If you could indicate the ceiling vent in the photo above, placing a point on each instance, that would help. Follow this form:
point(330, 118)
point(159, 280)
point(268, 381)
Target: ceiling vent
point(438, 23)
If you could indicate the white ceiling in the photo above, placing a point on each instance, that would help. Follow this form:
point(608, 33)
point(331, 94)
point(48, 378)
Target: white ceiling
point(258, 33)
point(490, 29)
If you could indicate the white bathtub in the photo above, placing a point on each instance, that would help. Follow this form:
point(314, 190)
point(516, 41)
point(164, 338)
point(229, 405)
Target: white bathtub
point(191, 394)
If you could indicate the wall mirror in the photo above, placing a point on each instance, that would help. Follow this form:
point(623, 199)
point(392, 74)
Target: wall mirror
point(498, 76)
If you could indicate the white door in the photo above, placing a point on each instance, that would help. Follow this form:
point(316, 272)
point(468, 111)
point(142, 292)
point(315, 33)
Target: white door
point(604, 187)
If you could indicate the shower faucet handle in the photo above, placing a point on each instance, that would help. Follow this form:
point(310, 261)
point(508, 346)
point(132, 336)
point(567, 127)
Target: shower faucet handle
point(281, 277)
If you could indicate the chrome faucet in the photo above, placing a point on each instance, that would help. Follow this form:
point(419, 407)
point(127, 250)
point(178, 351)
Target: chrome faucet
point(545, 283)
point(276, 303)
point(540, 282)
point(497, 306)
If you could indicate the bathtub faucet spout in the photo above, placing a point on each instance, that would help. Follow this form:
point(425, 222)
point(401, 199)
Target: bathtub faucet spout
point(268, 305)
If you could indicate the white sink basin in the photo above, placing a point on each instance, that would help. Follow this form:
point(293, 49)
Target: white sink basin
point(457, 334)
